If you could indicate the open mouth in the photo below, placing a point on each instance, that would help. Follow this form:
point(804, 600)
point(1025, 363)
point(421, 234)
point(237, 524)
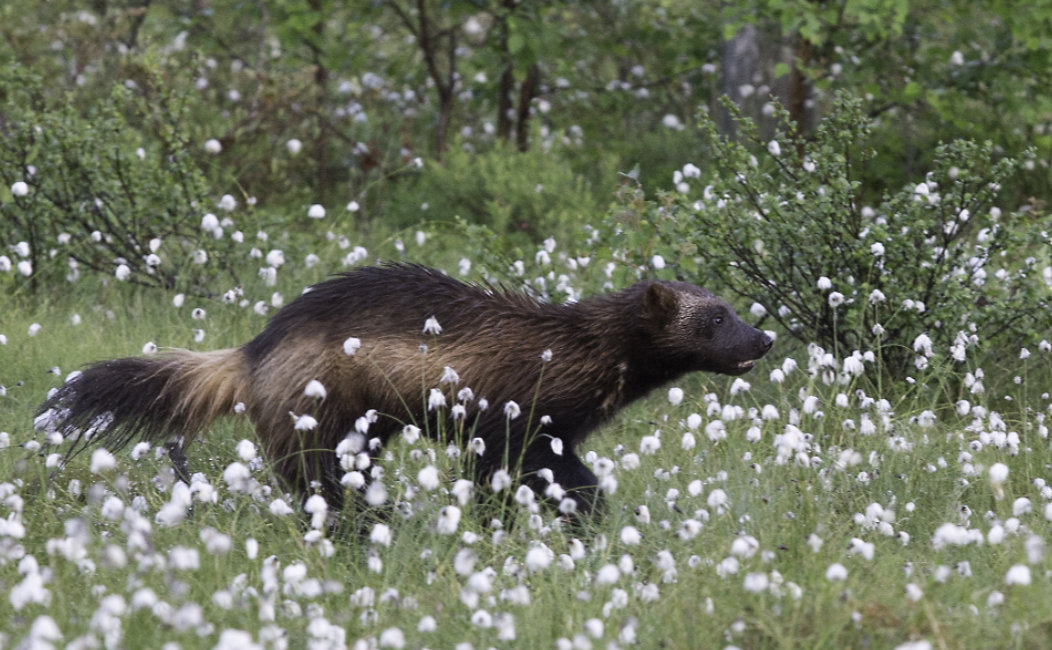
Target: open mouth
point(745, 365)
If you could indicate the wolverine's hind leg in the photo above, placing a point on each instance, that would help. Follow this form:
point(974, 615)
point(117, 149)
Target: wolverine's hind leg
point(580, 497)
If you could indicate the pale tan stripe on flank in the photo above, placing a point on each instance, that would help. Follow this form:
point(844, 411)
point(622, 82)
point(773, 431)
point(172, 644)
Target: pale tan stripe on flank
point(206, 384)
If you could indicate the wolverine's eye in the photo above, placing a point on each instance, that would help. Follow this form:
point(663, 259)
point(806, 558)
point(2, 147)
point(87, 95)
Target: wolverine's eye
point(718, 320)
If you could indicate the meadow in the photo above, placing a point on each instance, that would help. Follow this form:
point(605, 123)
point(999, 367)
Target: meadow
point(809, 503)
point(867, 181)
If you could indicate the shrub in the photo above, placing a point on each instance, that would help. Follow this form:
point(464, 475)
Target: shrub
point(112, 190)
point(785, 223)
point(527, 195)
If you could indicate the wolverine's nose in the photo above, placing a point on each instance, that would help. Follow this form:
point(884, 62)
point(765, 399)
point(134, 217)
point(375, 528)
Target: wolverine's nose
point(767, 342)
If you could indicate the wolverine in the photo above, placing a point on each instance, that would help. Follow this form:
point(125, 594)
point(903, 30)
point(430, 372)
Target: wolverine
point(398, 345)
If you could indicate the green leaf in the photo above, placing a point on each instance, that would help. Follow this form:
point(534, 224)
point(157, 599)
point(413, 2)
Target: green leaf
point(516, 42)
point(912, 91)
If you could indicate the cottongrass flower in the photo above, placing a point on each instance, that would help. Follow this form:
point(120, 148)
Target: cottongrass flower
point(718, 500)
point(435, 400)
point(236, 640)
point(728, 566)
point(648, 445)
point(381, 534)
point(213, 146)
point(861, 547)
point(316, 211)
point(315, 389)
point(181, 558)
point(630, 536)
point(913, 592)
point(998, 474)
point(376, 494)
point(1035, 549)
point(392, 637)
point(500, 481)
point(923, 345)
point(538, 558)
point(351, 346)
point(464, 562)
point(675, 396)
point(427, 624)
point(448, 520)
point(557, 446)
point(512, 410)
point(303, 422)
point(756, 582)
point(953, 535)
point(739, 385)
point(280, 508)
point(1019, 574)
point(836, 572)
point(745, 546)
point(432, 327)
point(463, 489)
point(318, 509)
point(31, 591)
point(174, 512)
point(102, 461)
point(716, 431)
point(482, 618)
point(670, 121)
point(608, 574)
point(246, 450)
point(915, 645)
point(428, 478)
point(594, 628)
point(353, 480)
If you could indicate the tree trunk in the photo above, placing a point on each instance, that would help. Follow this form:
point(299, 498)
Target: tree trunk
point(741, 60)
point(799, 90)
point(321, 81)
point(506, 84)
point(504, 107)
point(526, 95)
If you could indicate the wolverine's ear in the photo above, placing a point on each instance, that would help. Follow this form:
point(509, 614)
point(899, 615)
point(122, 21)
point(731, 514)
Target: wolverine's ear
point(660, 303)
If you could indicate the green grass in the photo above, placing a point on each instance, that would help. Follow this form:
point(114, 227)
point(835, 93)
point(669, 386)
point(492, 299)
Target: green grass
point(915, 471)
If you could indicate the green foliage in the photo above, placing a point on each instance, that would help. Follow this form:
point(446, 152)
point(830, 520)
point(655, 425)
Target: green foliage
point(526, 196)
point(111, 190)
point(785, 223)
point(932, 71)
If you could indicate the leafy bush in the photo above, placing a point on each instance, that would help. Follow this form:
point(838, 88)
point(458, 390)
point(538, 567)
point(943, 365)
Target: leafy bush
point(529, 195)
point(789, 229)
point(113, 190)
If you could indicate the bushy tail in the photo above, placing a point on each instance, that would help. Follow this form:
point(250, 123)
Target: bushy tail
point(173, 395)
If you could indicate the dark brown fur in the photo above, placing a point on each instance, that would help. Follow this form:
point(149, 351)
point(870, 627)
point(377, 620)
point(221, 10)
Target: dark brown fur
point(605, 352)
